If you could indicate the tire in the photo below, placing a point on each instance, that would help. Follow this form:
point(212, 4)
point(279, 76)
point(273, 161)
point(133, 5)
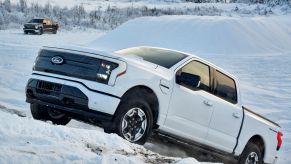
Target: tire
point(40, 31)
point(54, 31)
point(58, 117)
point(41, 112)
point(25, 32)
point(251, 155)
point(139, 124)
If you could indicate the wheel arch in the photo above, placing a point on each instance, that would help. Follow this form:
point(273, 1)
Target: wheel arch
point(149, 95)
point(259, 141)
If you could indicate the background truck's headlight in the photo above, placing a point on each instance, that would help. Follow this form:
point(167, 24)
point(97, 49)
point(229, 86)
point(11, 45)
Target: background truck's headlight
point(104, 71)
point(36, 27)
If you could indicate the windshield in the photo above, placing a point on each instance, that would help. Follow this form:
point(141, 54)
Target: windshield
point(36, 21)
point(165, 58)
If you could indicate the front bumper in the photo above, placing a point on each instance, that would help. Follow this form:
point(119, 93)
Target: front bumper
point(31, 30)
point(68, 99)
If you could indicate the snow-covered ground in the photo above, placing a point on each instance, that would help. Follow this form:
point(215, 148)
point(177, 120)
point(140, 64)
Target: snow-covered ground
point(24, 140)
point(256, 50)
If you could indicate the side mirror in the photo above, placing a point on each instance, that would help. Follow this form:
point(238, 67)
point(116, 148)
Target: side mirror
point(188, 80)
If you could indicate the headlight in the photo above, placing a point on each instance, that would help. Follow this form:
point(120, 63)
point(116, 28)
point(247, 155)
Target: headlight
point(105, 70)
point(36, 27)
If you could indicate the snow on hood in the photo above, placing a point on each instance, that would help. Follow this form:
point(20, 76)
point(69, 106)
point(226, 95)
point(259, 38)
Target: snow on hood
point(207, 34)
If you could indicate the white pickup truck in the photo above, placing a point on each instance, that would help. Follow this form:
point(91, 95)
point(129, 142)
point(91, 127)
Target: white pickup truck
point(136, 90)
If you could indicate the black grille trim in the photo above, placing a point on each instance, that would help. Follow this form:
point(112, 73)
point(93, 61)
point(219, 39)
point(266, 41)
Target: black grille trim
point(74, 65)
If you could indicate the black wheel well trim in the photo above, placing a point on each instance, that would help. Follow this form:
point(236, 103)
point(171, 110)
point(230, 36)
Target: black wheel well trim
point(259, 141)
point(152, 100)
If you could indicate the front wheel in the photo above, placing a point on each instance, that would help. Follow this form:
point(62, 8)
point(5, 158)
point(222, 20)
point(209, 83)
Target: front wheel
point(251, 155)
point(40, 32)
point(58, 117)
point(39, 112)
point(134, 121)
point(44, 113)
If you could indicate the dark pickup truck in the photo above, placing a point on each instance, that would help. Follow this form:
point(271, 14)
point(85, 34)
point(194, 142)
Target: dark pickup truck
point(39, 26)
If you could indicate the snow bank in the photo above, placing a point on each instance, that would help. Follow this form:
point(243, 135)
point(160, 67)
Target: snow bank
point(219, 35)
point(25, 140)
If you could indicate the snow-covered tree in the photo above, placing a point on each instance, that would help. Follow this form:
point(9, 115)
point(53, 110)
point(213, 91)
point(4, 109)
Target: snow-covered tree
point(2, 23)
point(7, 5)
point(22, 6)
point(47, 9)
point(78, 13)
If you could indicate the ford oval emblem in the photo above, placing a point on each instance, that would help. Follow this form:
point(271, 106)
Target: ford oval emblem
point(57, 60)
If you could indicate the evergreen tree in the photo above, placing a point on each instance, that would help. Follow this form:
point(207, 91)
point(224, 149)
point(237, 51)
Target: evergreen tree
point(22, 6)
point(7, 5)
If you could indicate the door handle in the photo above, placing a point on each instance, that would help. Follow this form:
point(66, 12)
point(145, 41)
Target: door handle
point(207, 103)
point(235, 115)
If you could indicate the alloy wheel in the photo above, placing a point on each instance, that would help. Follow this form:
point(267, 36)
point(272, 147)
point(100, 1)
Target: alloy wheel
point(252, 158)
point(134, 124)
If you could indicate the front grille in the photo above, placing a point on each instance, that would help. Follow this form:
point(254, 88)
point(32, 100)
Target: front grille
point(48, 88)
point(73, 65)
point(29, 26)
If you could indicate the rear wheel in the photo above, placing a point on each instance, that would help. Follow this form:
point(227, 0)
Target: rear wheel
point(41, 112)
point(251, 155)
point(55, 31)
point(134, 121)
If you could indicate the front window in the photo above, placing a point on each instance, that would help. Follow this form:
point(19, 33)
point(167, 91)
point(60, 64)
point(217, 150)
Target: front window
point(161, 57)
point(200, 69)
point(36, 21)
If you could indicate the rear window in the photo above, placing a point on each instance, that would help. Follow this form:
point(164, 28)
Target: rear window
point(164, 58)
point(225, 88)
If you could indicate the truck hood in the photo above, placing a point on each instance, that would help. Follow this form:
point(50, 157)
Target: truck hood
point(32, 24)
point(139, 63)
point(148, 66)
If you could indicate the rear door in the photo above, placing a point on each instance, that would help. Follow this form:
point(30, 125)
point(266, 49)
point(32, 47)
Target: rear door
point(190, 109)
point(227, 115)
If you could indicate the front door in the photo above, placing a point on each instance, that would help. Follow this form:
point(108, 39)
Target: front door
point(190, 109)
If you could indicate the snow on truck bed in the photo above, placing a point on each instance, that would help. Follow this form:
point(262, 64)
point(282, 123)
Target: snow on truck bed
point(256, 50)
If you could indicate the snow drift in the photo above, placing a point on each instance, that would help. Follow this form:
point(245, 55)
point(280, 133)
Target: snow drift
point(24, 140)
point(219, 35)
